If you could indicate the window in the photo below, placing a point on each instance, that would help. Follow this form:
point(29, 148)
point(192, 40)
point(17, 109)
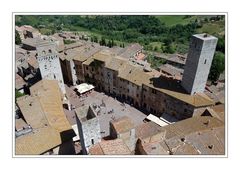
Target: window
point(154, 91)
point(205, 61)
point(151, 110)
point(92, 140)
point(86, 67)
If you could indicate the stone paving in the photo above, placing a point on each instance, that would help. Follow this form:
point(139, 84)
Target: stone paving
point(109, 109)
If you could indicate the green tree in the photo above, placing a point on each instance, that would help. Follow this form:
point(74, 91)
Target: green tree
point(156, 48)
point(17, 38)
point(95, 39)
point(218, 66)
point(103, 42)
point(18, 94)
point(109, 44)
point(221, 44)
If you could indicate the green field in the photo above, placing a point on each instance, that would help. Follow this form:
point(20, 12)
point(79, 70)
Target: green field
point(171, 20)
point(216, 28)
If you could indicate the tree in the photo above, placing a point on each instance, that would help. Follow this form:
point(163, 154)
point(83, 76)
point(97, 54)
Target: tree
point(17, 38)
point(168, 49)
point(109, 44)
point(218, 66)
point(95, 39)
point(156, 48)
point(103, 42)
point(221, 45)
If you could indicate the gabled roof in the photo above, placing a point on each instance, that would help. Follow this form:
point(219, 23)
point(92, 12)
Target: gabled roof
point(44, 112)
point(110, 147)
point(49, 96)
point(38, 141)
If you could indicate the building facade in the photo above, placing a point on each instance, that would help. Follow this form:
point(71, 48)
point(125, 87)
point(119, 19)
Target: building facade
point(49, 64)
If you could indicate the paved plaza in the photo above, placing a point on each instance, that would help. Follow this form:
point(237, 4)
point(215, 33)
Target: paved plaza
point(109, 109)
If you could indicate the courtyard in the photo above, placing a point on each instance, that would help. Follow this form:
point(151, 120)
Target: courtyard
point(109, 109)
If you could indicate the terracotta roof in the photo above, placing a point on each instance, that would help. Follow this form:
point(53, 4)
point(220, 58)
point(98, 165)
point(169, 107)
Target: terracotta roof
point(37, 142)
point(147, 129)
point(34, 41)
point(208, 142)
point(44, 112)
point(191, 125)
point(44, 106)
point(32, 61)
point(116, 63)
point(88, 61)
point(20, 124)
point(196, 135)
point(49, 96)
point(218, 111)
point(96, 150)
point(110, 147)
point(133, 74)
point(32, 111)
point(74, 45)
point(171, 70)
point(19, 82)
point(81, 52)
point(122, 124)
point(185, 149)
point(166, 85)
point(103, 56)
point(154, 148)
point(26, 28)
point(130, 50)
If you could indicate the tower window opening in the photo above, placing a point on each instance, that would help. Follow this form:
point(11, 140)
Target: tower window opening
point(205, 61)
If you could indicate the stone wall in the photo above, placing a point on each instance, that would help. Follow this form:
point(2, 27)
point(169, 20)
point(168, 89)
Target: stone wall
point(51, 70)
point(198, 63)
point(89, 131)
point(156, 103)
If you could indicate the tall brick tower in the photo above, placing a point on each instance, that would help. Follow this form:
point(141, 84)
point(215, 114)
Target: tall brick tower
point(199, 60)
point(49, 64)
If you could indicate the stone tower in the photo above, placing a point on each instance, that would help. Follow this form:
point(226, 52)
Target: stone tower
point(199, 60)
point(88, 127)
point(49, 63)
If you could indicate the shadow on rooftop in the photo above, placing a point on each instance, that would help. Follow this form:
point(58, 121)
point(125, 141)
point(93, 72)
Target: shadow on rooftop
point(67, 146)
point(167, 83)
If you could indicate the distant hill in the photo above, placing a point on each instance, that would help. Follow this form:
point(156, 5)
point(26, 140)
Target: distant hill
point(166, 33)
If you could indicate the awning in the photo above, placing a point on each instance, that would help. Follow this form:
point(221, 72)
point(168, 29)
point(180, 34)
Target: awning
point(156, 120)
point(75, 128)
point(84, 87)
